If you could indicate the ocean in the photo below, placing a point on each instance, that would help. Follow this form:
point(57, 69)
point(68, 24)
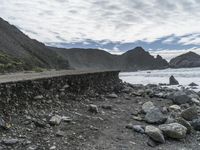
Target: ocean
point(185, 76)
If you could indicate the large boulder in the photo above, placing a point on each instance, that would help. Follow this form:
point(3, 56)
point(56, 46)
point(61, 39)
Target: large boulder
point(180, 97)
point(190, 113)
point(174, 130)
point(173, 81)
point(155, 116)
point(196, 124)
point(185, 124)
point(146, 107)
point(155, 133)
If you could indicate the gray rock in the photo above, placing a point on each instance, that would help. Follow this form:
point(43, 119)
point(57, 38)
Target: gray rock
point(2, 123)
point(138, 128)
point(185, 124)
point(180, 97)
point(196, 124)
point(10, 142)
point(93, 108)
point(146, 107)
point(38, 97)
point(190, 113)
point(107, 107)
point(129, 126)
point(193, 84)
point(152, 143)
point(174, 108)
point(113, 95)
point(60, 133)
point(155, 116)
point(55, 120)
point(155, 133)
point(174, 130)
point(173, 81)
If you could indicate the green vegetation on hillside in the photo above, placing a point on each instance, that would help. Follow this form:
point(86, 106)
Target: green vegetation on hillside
point(8, 63)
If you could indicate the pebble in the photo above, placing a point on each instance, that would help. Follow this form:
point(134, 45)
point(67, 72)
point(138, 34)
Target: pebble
point(55, 120)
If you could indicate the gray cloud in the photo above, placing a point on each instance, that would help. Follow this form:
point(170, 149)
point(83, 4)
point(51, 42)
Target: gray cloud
point(117, 21)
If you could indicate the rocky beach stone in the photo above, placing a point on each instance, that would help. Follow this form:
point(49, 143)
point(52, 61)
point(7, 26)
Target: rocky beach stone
point(174, 108)
point(93, 108)
point(174, 130)
point(146, 107)
point(138, 128)
point(180, 97)
point(190, 113)
point(10, 142)
point(173, 81)
point(113, 95)
point(155, 133)
point(185, 124)
point(107, 107)
point(2, 123)
point(55, 120)
point(155, 116)
point(196, 124)
point(193, 84)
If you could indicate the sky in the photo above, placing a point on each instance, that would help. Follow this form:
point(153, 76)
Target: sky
point(165, 27)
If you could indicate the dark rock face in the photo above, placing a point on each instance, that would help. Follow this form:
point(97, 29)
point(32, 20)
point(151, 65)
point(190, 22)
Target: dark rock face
point(26, 53)
point(187, 60)
point(173, 81)
point(136, 59)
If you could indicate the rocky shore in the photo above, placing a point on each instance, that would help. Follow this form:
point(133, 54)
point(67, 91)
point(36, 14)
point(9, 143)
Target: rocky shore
point(105, 114)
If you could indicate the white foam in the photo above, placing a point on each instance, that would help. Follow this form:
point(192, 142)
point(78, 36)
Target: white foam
point(185, 76)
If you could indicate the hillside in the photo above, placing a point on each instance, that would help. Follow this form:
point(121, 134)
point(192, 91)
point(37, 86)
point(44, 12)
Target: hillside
point(19, 52)
point(186, 60)
point(135, 59)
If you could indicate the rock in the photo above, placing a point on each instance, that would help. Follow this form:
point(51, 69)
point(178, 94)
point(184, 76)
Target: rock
point(175, 108)
point(33, 147)
point(66, 119)
point(113, 95)
point(2, 123)
point(155, 133)
point(138, 128)
point(185, 124)
point(60, 133)
point(55, 120)
point(193, 84)
point(190, 113)
point(107, 107)
point(129, 126)
point(164, 110)
point(155, 116)
point(39, 123)
point(152, 143)
point(196, 124)
point(10, 142)
point(174, 130)
point(93, 109)
point(146, 107)
point(173, 81)
point(38, 97)
point(52, 148)
point(138, 118)
point(180, 97)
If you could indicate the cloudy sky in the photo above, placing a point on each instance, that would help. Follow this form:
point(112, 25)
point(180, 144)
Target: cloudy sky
point(167, 27)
